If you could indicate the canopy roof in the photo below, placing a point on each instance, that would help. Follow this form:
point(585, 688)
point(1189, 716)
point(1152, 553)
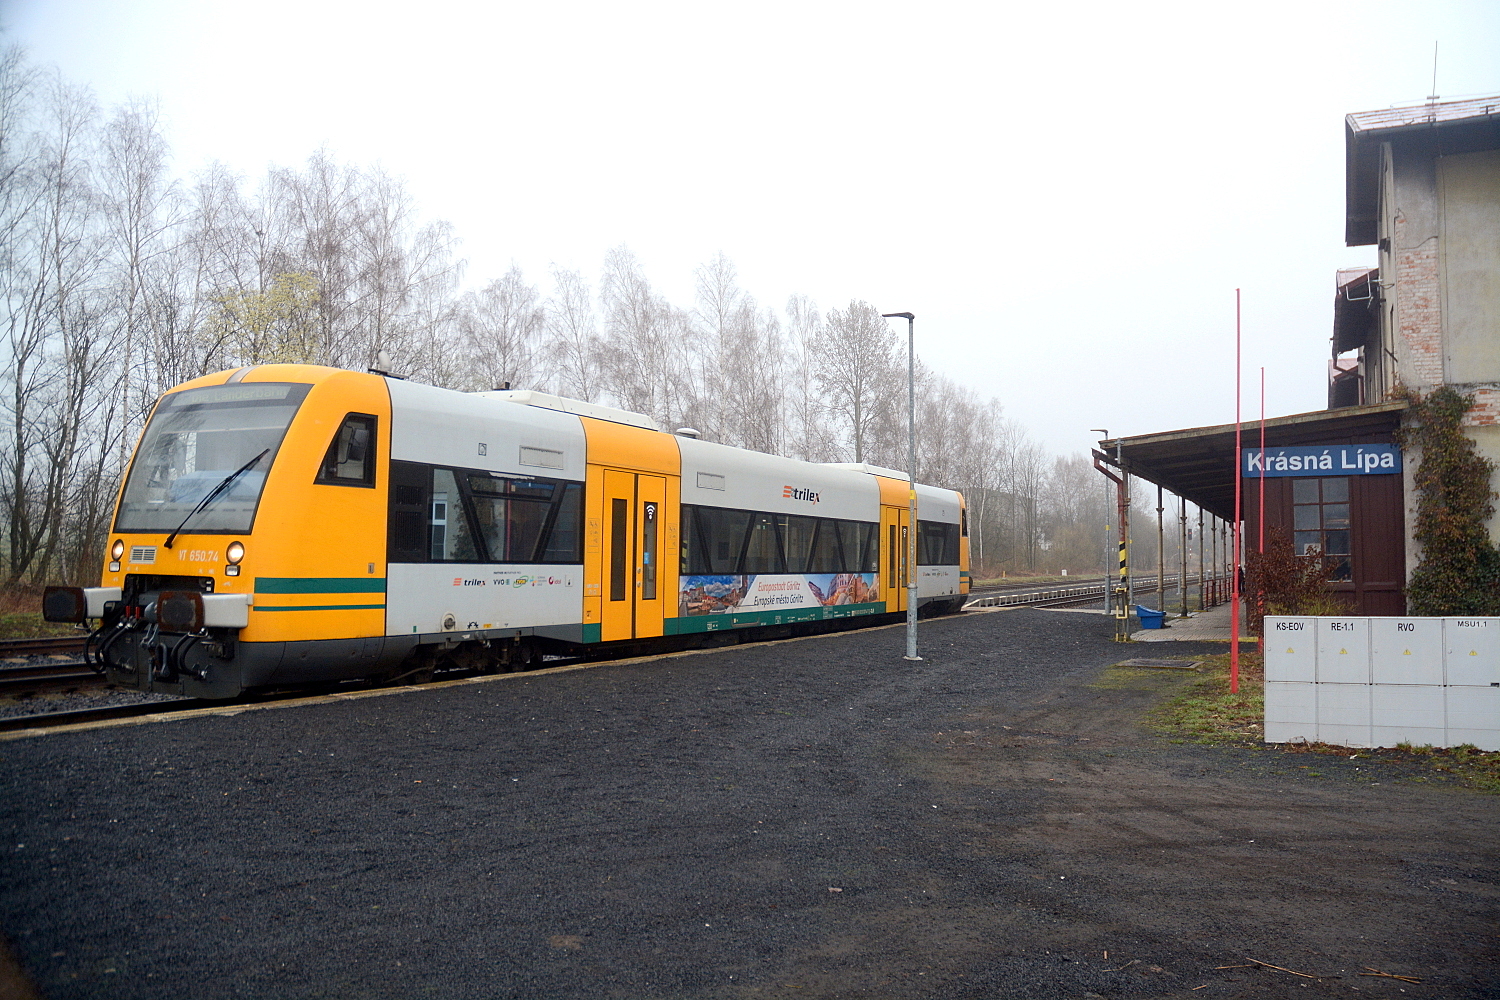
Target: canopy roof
point(1198, 464)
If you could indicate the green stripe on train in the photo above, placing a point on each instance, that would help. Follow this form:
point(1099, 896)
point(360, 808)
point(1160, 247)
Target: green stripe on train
point(321, 607)
point(747, 619)
point(319, 585)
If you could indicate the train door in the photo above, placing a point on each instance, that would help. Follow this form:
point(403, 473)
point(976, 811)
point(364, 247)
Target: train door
point(634, 536)
point(894, 555)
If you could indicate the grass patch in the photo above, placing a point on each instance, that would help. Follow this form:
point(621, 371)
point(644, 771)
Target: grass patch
point(1203, 711)
point(29, 625)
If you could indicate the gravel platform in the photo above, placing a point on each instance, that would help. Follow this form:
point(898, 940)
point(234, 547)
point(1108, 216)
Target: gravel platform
point(812, 818)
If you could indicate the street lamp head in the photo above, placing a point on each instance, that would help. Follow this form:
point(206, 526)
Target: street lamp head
point(1100, 430)
point(897, 316)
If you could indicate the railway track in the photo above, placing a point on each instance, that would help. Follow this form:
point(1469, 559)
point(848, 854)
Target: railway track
point(24, 672)
point(34, 677)
point(1017, 594)
point(52, 645)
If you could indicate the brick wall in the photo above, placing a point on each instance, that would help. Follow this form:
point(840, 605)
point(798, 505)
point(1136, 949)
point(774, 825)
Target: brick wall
point(1486, 411)
point(1419, 316)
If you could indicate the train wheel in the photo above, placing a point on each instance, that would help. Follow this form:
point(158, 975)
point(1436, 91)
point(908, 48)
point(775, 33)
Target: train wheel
point(523, 656)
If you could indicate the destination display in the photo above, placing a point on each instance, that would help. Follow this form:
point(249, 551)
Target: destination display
point(1322, 460)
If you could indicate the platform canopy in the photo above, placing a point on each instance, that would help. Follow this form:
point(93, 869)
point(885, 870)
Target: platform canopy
point(1198, 464)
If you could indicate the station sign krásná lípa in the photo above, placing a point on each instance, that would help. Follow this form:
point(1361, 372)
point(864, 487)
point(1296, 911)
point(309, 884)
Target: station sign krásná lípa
point(1322, 460)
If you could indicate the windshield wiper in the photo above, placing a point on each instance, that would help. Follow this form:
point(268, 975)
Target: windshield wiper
point(213, 495)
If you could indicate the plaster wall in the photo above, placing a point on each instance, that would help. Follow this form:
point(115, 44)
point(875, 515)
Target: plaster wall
point(1440, 252)
point(1468, 187)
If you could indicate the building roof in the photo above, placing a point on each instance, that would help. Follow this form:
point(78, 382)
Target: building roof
point(1355, 308)
point(1198, 464)
point(1418, 116)
point(1465, 125)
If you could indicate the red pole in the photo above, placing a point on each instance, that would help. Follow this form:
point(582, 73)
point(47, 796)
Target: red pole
point(1234, 553)
point(1260, 520)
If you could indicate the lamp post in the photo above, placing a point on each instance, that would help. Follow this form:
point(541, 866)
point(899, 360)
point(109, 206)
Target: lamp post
point(911, 480)
point(1109, 604)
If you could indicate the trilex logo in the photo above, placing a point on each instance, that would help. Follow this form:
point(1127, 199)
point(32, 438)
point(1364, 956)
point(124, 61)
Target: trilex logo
point(793, 493)
point(459, 581)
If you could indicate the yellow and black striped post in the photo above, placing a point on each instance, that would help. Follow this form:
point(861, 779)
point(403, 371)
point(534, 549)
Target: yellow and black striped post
point(1122, 597)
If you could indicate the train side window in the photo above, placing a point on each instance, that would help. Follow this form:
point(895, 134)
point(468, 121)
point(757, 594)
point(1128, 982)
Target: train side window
point(871, 549)
point(619, 539)
point(799, 534)
point(350, 459)
point(937, 543)
point(891, 556)
point(452, 536)
point(720, 540)
point(763, 551)
point(563, 540)
point(827, 554)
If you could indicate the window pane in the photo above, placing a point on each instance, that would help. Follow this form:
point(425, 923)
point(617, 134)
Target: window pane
point(722, 534)
point(510, 527)
point(1336, 543)
point(196, 439)
point(1339, 568)
point(798, 533)
point(619, 539)
point(1305, 491)
point(870, 533)
point(563, 544)
point(451, 539)
point(649, 517)
point(1304, 518)
point(937, 543)
point(1308, 543)
point(1336, 515)
point(1336, 490)
point(828, 554)
point(350, 459)
point(763, 553)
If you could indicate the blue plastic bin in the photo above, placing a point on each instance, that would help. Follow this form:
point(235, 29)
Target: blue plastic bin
point(1149, 618)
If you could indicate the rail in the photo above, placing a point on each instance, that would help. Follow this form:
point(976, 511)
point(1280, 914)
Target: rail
point(52, 645)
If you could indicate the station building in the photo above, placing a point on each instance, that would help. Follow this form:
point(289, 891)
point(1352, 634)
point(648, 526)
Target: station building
point(1423, 185)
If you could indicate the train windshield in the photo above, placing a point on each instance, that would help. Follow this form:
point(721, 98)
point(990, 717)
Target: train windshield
point(196, 439)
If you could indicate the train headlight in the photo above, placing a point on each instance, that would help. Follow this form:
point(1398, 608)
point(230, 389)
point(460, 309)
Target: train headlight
point(117, 550)
point(233, 554)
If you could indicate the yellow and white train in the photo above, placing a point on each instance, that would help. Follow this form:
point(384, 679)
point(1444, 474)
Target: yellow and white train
point(287, 524)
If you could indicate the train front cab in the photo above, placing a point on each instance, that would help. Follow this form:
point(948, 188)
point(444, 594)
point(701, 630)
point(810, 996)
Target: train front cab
point(288, 565)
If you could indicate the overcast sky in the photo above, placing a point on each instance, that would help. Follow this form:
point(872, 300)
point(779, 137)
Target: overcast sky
point(1067, 198)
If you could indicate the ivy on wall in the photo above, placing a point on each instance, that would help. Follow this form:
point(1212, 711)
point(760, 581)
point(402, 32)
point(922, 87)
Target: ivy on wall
point(1459, 571)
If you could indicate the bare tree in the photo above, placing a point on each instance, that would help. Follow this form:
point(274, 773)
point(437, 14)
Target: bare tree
point(501, 328)
point(807, 433)
point(573, 348)
point(53, 277)
point(854, 366)
point(647, 353)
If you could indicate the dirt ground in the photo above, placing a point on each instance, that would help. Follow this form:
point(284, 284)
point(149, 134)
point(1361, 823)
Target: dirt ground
point(816, 818)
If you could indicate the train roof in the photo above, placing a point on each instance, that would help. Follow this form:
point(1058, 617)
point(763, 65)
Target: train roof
point(547, 401)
